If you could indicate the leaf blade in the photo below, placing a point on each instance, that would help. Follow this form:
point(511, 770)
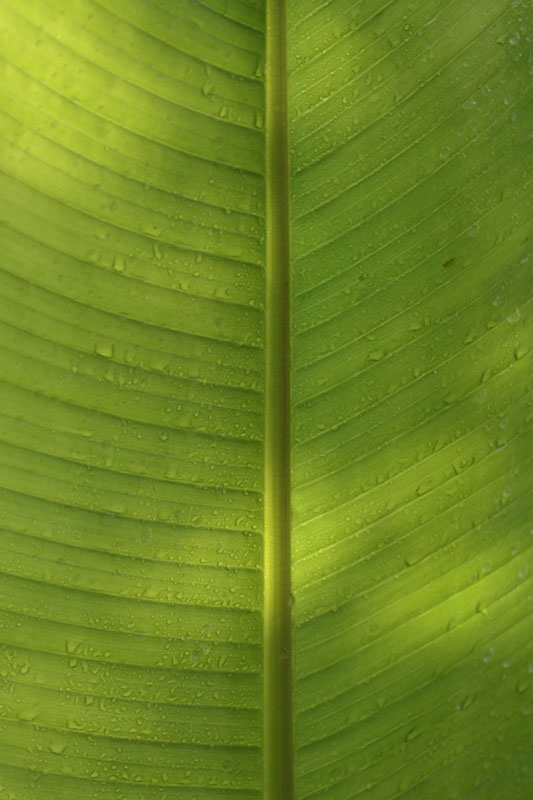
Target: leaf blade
point(408, 219)
point(132, 433)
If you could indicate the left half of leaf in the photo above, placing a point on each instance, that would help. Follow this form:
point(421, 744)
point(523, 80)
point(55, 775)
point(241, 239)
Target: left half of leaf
point(131, 425)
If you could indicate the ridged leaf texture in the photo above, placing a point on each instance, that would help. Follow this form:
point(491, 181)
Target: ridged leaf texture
point(146, 258)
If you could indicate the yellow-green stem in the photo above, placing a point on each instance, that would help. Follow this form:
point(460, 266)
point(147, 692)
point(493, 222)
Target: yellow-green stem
point(278, 743)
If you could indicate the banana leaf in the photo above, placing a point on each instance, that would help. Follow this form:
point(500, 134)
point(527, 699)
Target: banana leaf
point(265, 430)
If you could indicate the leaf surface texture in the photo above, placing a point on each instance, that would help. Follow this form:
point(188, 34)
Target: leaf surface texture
point(137, 237)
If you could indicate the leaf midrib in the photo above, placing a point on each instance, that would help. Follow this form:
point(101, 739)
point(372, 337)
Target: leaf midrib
point(278, 727)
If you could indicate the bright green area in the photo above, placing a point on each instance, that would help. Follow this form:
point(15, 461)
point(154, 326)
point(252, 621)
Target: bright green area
point(131, 458)
point(148, 205)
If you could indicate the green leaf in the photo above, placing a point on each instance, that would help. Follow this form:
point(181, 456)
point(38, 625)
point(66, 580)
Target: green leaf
point(265, 433)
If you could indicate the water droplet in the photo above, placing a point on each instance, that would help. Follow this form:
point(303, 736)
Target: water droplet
point(104, 349)
point(151, 230)
point(424, 486)
point(465, 702)
point(394, 38)
point(119, 262)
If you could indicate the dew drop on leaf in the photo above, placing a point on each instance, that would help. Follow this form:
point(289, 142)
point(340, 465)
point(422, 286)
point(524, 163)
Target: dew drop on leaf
point(104, 349)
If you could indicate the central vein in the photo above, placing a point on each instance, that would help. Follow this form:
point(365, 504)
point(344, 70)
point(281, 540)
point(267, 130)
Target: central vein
point(277, 636)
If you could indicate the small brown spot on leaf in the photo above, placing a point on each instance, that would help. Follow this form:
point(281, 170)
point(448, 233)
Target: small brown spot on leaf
point(449, 262)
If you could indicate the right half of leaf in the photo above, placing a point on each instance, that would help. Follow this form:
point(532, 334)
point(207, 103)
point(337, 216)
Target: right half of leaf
point(411, 434)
